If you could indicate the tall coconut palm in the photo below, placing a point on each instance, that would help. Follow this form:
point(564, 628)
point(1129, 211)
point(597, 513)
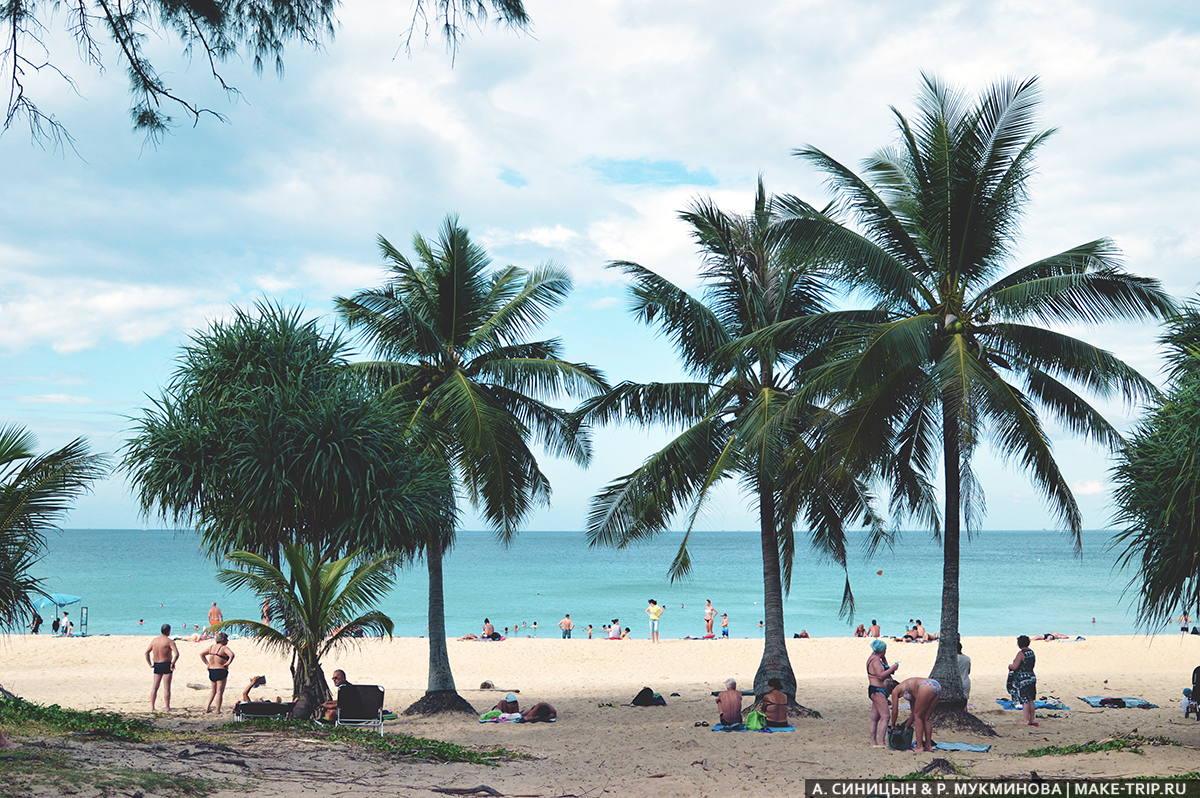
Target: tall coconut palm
point(963, 347)
point(325, 602)
point(733, 418)
point(451, 336)
point(1157, 485)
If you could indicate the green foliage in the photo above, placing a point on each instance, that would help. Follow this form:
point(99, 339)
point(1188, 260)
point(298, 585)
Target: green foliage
point(256, 31)
point(1156, 481)
point(746, 416)
point(265, 436)
point(16, 714)
point(324, 603)
point(1132, 743)
point(36, 490)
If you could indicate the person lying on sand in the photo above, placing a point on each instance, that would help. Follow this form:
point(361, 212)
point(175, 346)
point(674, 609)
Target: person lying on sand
point(469, 636)
point(923, 696)
point(508, 705)
point(540, 712)
point(1051, 636)
point(729, 704)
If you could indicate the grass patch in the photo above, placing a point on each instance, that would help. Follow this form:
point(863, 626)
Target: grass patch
point(403, 745)
point(1132, 743)
point(26, 768)
point(26, 717)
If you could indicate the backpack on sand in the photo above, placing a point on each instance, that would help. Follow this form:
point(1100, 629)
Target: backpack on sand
point(755, 721)
point(900, 738)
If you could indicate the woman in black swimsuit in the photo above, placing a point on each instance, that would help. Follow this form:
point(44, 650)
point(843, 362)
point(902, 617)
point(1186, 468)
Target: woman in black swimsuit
point(217, 659)
point(1022, 681)
point(879, 679)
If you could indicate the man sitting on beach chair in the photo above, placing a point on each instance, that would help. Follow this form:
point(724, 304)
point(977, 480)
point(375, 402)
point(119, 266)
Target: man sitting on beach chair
point(329, 708)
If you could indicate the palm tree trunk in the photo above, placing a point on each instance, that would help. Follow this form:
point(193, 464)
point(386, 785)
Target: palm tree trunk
point(945, 667)
point(440, 694)
point(308, 685)
point(775, 663)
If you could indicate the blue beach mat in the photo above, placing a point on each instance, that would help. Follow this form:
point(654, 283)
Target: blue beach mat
point(723, 728)
point(1007, 704)
point(1130, 703)
point(982, 749)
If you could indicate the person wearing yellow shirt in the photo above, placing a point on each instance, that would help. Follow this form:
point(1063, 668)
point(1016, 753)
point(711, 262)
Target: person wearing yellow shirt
point(655, 611)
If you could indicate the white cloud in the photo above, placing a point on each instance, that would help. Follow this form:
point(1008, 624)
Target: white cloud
point(55, 399)
point(1089, 487)
point(603, 303)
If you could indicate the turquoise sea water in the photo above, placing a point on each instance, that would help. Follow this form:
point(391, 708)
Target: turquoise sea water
point(1012, 583)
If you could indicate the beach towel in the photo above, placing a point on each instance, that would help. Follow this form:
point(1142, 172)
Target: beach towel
point(496, 716)
point(1130, 703)
point(741, 728)
point(983, 749)
point(1008, 704)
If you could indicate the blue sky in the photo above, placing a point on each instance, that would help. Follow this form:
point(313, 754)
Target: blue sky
point(575, 144)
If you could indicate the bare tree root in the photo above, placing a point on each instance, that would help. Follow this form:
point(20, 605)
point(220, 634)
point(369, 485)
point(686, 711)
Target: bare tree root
point(438, 702)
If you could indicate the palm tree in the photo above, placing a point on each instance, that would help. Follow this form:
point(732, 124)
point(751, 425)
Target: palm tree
point(1157, 484)
point(451, 335)
point(958, 347)
point(739, 419)
point(36, 490)
point(323, 602)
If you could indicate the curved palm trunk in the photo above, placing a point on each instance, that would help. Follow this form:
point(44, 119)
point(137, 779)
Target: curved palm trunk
point(440, 693)
point(945, 667)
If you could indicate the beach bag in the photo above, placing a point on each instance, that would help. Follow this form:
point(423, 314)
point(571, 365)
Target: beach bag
point(899, 738)
point(755, 720)
point(644, 698)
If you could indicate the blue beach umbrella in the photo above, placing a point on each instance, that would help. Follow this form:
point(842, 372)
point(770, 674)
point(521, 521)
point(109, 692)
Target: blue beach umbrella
point(59, 600)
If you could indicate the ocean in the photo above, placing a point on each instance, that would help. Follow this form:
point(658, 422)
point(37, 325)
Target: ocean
point(1013, 582)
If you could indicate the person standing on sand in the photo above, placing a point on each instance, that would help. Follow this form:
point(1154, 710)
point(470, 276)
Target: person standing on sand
point(161, 656)
point(1022, 682)
point(64, 626)
point(566, 624)
point(589, 631)
point(614, 630)
point(724, 624)
point(710, 614)
point(655, 613)
point(873, 631)
point(923, 696)
point(217, 658)
point(879, 675)
point(214, 615)
point(35, 623)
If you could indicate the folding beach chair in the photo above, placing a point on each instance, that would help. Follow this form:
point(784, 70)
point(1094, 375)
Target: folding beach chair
point(360, 705)
point(258, 710)
point(1193, 702)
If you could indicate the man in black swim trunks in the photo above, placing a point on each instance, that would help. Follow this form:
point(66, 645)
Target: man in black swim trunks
point(161, 656)
point(217, 659)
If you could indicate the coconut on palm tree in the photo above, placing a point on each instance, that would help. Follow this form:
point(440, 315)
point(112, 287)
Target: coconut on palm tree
point(451, 334)
point(324, 604)
point(962, 347)
point(739, 418)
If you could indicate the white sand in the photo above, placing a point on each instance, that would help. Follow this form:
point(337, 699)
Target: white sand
point(593, 748)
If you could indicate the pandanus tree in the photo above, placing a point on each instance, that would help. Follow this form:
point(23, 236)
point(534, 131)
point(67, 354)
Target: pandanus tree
point(328, 604)
point(265, 438)
point(962, 346)
point(1157, 485)
point(739, 418)
point(451, 338)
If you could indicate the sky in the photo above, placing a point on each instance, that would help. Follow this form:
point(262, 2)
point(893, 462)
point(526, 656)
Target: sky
point(576, 143)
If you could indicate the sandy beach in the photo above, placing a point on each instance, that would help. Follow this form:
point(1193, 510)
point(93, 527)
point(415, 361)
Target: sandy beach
point(659, 750)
